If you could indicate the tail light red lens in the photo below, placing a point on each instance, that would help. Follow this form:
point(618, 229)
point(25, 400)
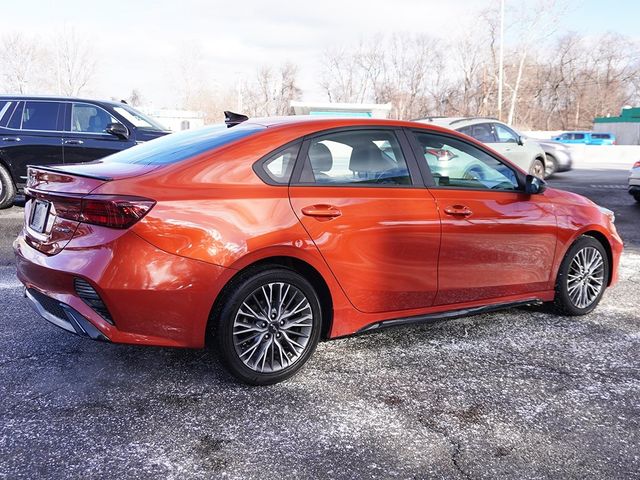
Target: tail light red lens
point(114, 211)
point(637, 164)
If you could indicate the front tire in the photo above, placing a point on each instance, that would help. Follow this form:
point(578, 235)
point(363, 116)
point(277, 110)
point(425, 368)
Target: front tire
point(550, 166)
point(537, 168)
point(268, 326)
point(582, 277)
point(7, 188)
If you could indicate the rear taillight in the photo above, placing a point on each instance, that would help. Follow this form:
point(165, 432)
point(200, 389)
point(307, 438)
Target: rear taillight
point(114, 211)
point(637, 164)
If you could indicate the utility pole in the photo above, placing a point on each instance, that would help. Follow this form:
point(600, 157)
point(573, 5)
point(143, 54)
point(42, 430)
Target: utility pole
point(501, 60)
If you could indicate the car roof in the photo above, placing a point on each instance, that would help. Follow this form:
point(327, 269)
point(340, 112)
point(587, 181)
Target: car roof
point(58, 98)
point(457, 122)
point(327, 122)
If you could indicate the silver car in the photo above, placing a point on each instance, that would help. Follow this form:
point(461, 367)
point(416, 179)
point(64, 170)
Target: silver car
point(634, 181)
point(557, 156)
point(524, 152)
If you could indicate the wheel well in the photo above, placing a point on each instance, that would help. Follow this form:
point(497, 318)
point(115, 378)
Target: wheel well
point(607, 248)
point(543, 160)
point(299, 266)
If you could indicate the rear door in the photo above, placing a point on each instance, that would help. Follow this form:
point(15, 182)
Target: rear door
point(496, 240)
point(358, 195)
point(86, 138)
point(33, 136)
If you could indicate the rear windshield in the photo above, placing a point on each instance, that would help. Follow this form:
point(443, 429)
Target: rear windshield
point(182, 145)
point(600, 135)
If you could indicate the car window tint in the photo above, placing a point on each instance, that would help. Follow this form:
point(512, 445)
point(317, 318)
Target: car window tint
point(481, 132)
point(40, 116)
point(505, 135)
point(600, 135)
point(183, 145)
point(455, 163)
point(16, 117)
point(363, 157)
point(280, 165)
point(90, 118)
point(578, 136)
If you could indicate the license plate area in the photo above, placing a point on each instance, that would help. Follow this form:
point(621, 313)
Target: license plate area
point(39, 215)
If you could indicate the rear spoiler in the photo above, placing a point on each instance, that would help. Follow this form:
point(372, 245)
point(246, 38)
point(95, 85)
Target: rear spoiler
point(232, 119)
point(69, 171)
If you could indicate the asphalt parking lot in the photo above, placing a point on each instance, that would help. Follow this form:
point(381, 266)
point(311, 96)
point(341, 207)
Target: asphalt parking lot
point(516, 394)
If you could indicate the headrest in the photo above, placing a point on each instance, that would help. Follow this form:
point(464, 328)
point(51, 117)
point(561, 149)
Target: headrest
point(368, 158)
point(320, 157)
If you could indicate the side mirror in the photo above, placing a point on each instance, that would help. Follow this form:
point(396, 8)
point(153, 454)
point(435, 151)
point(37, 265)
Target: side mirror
point(520, 140)
point(118, 130)
point(534, 185)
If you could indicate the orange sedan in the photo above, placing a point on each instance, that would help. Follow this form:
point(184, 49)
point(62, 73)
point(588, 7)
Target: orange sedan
point(269, 235)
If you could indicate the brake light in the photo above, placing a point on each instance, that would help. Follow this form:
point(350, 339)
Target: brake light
point(114, 211)
point(637, 164)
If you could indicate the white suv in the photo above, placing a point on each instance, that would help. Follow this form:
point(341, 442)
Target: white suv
point(525, 153)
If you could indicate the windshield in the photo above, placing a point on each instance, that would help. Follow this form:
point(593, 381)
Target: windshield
point(182, 145)
point(140, 120)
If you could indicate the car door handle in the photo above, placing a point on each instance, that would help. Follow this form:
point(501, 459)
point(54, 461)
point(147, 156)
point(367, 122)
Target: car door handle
point(324, 211)
point(11, 139)
point(73, 142)
point(458, 211)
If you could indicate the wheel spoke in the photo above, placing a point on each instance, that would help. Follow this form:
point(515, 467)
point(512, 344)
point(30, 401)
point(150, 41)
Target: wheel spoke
point(273, 327)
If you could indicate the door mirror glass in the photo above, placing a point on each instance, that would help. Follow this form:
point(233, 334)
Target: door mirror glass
point(118, 130)
point(535, 185)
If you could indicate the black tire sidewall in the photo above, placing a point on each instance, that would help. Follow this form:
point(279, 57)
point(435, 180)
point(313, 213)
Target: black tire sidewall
point(8, 191)
point(550, 165)
point(224, 323)
point(562, 300)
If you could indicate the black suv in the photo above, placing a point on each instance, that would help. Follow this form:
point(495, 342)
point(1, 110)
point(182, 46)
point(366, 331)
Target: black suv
point(49, 130)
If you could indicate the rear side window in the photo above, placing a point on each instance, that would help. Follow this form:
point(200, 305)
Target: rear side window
point(483, 132)
point(279, 166)
point(364, 157)
point(16, 116)
point(40, 116)
point(601, 135)
point(183, 145)
point(578, 136)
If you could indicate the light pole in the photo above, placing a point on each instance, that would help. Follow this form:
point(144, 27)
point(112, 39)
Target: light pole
point(501, 60)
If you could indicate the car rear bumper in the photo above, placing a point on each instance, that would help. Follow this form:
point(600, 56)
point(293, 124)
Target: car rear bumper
point(151, 297)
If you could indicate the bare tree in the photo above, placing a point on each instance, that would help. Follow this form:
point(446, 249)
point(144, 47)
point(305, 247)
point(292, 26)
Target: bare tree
point(272, 91)
point(75, 61)
point(20, 59)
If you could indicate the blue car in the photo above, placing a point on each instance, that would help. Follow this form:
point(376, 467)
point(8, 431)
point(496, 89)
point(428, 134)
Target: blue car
point(587, 138)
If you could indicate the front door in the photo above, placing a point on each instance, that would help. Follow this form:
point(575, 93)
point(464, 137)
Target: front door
point(496, 240)
point(378, 232)
point(86, 138)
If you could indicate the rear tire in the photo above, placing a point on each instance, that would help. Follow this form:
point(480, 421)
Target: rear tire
point(582, 277)
point(637, 197)
point(7, 188)
point(550, 166)
point(537, 168)
point(268, 326)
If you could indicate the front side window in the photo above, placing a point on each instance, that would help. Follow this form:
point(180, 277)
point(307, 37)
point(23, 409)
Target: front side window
point(90, 118)
point(578, 136)
point(40, 116)
point(457, 164)
point(362, 157)
point(505, 135)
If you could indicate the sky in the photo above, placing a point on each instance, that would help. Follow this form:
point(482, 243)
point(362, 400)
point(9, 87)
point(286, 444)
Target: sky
point(145, 44)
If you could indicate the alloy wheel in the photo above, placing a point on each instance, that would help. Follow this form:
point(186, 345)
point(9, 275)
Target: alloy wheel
point(272, 327)
point(585, 278)
point(538, 169)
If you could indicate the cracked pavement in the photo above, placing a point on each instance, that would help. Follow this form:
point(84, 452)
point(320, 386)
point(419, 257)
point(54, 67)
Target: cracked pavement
point(515, 394)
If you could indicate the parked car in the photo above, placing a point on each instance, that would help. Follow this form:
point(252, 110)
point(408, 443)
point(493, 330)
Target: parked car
point(586, 138)
point(557, 156)
point(634, 181)
point(265, 237)
point(525, 153)
point(50, 130)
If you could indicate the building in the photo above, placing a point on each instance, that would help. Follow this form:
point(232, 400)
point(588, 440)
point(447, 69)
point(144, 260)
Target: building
point(372, 110)
point(176, 120)
point(626, 127)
